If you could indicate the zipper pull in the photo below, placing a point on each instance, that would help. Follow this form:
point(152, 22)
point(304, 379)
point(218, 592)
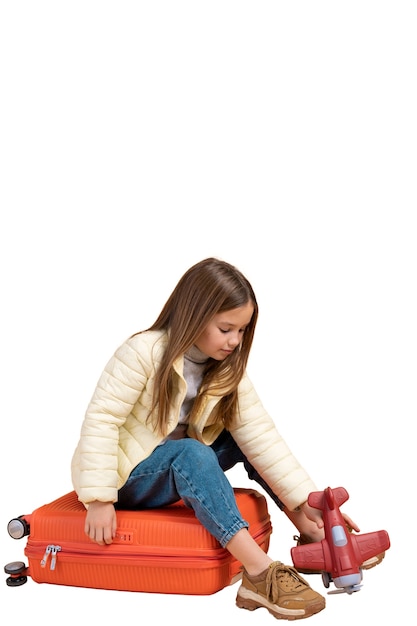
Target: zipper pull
point(51, 549)
point(46, 556)
point(54, 551)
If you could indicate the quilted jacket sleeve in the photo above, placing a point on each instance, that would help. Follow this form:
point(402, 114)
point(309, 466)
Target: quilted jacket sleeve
point(124, 384)
point(258, 438)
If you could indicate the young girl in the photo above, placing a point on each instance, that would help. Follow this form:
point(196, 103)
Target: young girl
point(173, 410)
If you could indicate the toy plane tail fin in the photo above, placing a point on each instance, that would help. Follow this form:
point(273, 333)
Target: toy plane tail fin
point(328, 498)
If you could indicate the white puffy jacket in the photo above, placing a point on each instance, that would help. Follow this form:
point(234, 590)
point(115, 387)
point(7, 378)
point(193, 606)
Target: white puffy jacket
point(115, 435)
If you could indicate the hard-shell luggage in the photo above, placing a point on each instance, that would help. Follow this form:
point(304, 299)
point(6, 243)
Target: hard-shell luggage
point(163, 550)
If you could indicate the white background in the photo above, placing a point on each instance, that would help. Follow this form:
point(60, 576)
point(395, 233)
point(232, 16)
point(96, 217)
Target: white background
point(140, 137)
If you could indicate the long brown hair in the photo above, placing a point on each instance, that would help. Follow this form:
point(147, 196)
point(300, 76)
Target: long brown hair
point(206, 289)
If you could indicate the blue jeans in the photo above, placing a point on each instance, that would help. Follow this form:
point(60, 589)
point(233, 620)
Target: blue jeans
point(189, 470)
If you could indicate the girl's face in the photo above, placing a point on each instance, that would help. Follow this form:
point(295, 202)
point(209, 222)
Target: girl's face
point(225, 332)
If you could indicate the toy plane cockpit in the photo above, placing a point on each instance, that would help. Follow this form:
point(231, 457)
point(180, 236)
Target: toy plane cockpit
point(340, 554)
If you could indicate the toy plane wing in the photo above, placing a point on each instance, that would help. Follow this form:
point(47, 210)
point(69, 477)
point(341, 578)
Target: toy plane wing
point(309, 556)
point(370, 544)
point(317, 556)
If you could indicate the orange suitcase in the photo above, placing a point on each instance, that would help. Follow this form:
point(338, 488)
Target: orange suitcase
point(160, 550)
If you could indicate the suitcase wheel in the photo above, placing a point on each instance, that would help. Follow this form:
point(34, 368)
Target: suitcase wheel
point(17, 577)
point(18, 528)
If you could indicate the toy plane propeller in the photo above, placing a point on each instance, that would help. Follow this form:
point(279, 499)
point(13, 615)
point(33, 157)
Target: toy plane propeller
point(340, 554)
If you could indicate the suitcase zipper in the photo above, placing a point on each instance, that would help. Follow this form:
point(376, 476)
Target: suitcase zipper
point(51, 551)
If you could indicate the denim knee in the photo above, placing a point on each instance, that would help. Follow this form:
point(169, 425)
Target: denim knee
point(197, 454)
point(186, 469)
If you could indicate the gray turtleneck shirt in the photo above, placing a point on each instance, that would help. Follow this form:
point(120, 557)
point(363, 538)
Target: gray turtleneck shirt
point(194, 362)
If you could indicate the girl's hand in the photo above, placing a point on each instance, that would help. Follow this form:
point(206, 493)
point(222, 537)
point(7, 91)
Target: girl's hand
point(350, 523)
point(315, 515)
point(101, 522)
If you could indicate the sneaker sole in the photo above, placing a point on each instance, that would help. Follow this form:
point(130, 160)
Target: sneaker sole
point(247, 599)
point(376, 560)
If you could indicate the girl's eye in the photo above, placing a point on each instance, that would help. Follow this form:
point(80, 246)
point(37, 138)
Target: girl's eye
point(224, 331)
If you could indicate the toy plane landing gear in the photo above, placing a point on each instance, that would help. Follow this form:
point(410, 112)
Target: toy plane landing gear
point(340, 554)
point(327, 579)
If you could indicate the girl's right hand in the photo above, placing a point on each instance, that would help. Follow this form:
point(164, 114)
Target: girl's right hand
point(101, 522)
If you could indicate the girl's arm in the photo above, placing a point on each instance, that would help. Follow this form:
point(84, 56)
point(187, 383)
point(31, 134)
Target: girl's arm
point(124, 384)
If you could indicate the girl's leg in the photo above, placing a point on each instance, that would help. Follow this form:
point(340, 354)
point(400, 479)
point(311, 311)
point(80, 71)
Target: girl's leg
point(185, 469)
point(190, 470)
point(245, 549)
point(228, 454)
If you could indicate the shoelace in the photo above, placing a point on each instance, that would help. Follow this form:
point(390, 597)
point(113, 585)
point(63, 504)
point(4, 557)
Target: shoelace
point(287, 576)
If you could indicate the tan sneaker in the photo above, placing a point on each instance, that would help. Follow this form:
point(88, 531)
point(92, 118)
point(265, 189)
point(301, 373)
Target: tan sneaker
point(375, 560)
point(282, 591)
point(368, 564)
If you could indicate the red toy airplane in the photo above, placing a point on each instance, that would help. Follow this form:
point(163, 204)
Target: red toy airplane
point(340, 554)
